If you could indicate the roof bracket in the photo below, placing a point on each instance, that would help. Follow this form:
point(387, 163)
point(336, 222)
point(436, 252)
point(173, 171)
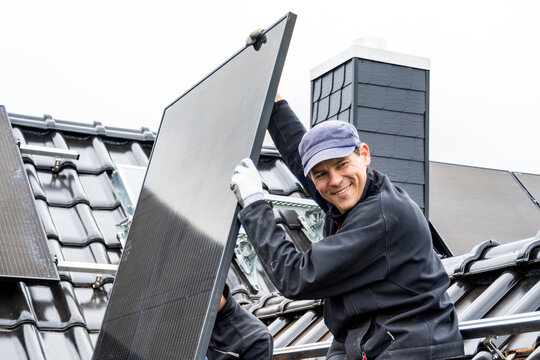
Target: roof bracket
point(313, 219)
point(59, 154)
point(492, 348)
point(312, 224)
point(99, 281)
point(246, 258)
point(56, 167)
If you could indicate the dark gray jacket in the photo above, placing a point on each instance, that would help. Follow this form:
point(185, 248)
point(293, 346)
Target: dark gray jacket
point(383, 285)
point(238, 335)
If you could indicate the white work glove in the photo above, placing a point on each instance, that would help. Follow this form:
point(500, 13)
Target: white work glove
point(246, 183)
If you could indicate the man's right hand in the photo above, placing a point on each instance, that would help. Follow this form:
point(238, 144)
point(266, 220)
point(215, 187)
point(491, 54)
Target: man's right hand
point(246, 183)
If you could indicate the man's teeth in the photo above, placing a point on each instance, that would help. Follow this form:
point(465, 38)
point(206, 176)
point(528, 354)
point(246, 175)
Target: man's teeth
point(342, 191)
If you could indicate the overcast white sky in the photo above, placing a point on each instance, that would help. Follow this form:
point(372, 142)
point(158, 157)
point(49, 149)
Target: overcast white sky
point(122, 62)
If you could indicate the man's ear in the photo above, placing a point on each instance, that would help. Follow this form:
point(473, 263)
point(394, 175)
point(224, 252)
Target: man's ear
point(364, 154)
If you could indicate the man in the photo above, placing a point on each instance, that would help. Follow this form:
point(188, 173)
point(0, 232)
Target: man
point(383, 285)
point(237, 334)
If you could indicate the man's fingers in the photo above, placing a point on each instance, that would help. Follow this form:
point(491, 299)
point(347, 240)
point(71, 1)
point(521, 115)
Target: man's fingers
point(248, 163)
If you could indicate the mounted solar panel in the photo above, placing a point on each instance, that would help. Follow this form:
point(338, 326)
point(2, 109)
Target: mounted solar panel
point(24, 253)
point(180, 245)
point(471, 205)
point(531, 183)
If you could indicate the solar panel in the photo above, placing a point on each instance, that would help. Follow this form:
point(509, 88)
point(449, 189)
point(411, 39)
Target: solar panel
point(24, 253)
point(181, 241)
point(470, 205)
point(531, 183)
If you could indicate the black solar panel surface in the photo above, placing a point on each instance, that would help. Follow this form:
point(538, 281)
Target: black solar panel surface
point(469, 205)
point(180, 244)
point(24, 253)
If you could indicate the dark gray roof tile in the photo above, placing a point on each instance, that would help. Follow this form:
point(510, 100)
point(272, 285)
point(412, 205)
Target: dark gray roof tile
point(295, 329)
point(16, 305)
point(490, 296)
point(93, 303)
point(103, 194)
point(55, 306)
point(62, 188)
point(46, 219)
point(76, 225)
point(107, 221)
point(73, 343)
point(23, 342)
point(94, 157)
point(277, 177)
point(35, 183)
point(124, 152)
point(95, 128)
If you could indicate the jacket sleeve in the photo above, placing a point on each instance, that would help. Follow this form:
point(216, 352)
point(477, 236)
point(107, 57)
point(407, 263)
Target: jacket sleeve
point(351, 258)
point(237, 334)
point(287, 132)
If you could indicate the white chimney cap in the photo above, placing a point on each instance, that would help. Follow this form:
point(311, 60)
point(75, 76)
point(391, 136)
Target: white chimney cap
point(371, 42)
point(370, 48)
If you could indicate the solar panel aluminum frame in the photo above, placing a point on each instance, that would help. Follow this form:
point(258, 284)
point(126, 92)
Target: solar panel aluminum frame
point(120, 337)
point(24, 253)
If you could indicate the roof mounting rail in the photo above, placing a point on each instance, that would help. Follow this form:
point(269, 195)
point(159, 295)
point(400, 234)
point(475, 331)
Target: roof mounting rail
point(501, 325)
point(313, 218)
point(98, 269)
point(290, 203)
point(45, 151)
point(53, 152)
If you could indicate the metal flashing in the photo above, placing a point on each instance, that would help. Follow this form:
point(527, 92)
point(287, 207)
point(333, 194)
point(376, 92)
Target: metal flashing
point(369, 53)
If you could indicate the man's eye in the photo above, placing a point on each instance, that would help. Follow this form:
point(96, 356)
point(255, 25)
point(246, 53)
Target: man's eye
point(341, 164)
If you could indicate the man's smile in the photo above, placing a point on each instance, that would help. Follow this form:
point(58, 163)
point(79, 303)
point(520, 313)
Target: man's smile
point(342, 191)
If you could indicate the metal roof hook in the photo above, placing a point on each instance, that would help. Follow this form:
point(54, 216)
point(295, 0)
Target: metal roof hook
point(493, 349)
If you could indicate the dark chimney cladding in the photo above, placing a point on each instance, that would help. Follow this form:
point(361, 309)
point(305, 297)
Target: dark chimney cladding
point(386, 96)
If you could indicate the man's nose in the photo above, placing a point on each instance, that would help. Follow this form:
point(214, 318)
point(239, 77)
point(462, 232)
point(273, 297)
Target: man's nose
point(335, 178)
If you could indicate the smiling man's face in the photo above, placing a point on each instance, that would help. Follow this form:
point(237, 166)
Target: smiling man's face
point(341, 181)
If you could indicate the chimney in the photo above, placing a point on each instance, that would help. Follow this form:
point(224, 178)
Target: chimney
point(386, 96)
